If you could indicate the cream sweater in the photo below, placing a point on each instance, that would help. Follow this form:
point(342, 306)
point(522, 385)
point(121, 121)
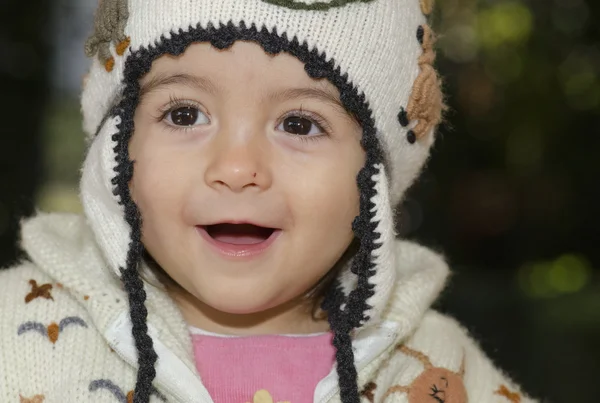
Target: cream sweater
point(66, 336)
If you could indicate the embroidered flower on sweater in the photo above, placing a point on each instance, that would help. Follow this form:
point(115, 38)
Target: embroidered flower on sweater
point(53, 330)
point(439, 384)
point(263, 396)
point(513, 397)
point(42, 291)
point(117, 392)
point(35, 399)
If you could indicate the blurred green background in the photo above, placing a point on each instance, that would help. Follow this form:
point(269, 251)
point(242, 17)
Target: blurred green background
point(511, 195)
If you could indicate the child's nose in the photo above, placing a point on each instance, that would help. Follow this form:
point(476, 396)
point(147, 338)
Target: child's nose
point(238, 167)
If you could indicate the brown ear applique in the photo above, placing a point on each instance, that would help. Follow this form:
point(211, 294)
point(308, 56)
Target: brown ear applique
point(117, 392)
point(426, 101)
point(53, 330)
point(427, 6)
point(513, 397)
point(42, 291)
point(35, 399)
point(109, 28)
point(439, 384)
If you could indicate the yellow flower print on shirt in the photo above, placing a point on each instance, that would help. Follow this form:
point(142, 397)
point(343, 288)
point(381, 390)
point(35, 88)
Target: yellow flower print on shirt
point(263, 396)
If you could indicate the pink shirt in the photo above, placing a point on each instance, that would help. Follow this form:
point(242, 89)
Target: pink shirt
point(262, 369)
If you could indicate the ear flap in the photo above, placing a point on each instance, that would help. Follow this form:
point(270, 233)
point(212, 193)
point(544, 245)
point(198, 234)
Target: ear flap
point(100, 202)
point(369, 283)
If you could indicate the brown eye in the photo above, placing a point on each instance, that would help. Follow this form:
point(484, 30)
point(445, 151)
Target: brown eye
point(186, 116)
point(300, 126)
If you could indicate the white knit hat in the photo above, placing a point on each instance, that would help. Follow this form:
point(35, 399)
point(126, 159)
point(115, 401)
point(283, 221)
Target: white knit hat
point(379, 55)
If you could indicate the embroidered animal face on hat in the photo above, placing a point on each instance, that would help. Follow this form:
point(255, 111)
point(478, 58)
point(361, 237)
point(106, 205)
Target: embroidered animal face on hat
point(377, 53)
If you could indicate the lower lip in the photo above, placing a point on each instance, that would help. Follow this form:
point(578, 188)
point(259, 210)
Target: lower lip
point(239, 251)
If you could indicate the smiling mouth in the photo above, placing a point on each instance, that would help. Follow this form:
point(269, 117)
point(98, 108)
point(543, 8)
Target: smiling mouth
point(239, 234)
point(239, 241)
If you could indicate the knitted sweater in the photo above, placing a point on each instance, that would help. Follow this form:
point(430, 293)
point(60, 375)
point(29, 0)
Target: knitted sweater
point(66, 336)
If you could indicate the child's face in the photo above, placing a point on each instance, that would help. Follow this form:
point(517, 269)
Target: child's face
point(240, 136)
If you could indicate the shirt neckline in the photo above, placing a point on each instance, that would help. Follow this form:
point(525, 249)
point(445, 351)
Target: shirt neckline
point(195, 331)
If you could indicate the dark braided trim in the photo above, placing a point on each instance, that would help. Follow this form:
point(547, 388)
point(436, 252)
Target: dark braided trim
point(344, 355)
point(347, 375)
point(130, 276)
point(146, 355)
point(317, 66)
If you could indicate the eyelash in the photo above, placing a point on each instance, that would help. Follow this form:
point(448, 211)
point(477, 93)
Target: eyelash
point(175, 103)
point(314, 118)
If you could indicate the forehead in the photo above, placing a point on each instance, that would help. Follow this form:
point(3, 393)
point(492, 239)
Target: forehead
point(243, 64)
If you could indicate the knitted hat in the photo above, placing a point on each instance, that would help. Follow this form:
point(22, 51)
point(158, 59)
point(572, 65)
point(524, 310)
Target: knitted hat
point(377, 53)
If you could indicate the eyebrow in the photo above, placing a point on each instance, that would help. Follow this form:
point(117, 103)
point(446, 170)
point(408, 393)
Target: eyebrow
point(307, 93)
point(206, 85)
point(200, 83)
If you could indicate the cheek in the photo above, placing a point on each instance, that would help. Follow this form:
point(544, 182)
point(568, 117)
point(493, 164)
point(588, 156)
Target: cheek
point(337, 183)
point(158, 189)
point(324, 201)
point(326, 194)
point(335, 200)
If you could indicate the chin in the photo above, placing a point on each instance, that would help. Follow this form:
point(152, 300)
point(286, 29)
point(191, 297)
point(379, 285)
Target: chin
point(239, 309)
point(237, 302)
